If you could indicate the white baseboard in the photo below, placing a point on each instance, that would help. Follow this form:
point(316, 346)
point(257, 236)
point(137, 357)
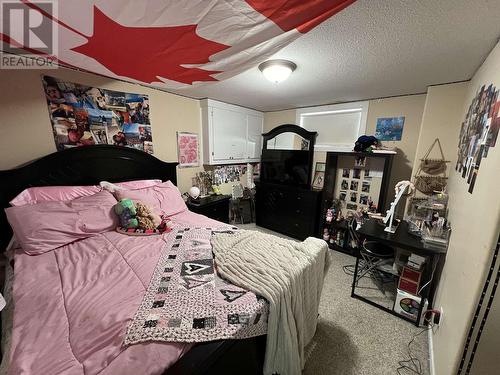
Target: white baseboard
point(432, 370)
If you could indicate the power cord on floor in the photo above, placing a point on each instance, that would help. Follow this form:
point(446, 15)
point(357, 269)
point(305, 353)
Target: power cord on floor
point(413, 364)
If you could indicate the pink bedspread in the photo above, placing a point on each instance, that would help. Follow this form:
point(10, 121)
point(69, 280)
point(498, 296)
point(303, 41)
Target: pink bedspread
point(73, 304)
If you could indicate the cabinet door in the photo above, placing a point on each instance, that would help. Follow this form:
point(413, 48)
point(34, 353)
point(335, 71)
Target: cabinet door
point(254, 136)
point(228, 134)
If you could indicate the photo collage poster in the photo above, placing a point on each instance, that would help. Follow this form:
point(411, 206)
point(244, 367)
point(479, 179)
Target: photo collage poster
point(479, 133)
point(81, 115)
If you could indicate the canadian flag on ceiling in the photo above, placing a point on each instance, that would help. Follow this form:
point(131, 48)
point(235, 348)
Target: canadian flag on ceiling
point(174, 44)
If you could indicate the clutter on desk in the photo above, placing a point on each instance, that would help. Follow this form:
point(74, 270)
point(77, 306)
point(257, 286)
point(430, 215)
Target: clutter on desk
point(427, 218)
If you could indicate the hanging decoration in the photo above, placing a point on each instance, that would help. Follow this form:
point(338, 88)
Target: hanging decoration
point(479, 133)
point(82, 115)
point(431, 177)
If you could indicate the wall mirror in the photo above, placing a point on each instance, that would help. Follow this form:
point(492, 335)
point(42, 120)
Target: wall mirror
point(287, 141)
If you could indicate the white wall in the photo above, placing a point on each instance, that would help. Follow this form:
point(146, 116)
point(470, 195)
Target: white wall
point(475, 220)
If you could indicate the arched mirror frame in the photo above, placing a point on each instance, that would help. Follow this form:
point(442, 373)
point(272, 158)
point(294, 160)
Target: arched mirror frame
point(290, 128)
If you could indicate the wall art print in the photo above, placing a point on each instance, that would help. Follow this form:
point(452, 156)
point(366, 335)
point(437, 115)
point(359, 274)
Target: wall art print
point(479, 133)
point(82, 115)
point(390, 128)
point(187, 149)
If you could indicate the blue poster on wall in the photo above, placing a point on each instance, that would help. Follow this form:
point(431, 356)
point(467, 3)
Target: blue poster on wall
point(389, 128)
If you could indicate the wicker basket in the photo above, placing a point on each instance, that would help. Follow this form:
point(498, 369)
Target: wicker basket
point(431, 182)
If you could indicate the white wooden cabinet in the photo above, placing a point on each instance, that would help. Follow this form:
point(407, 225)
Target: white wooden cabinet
point(231, 134)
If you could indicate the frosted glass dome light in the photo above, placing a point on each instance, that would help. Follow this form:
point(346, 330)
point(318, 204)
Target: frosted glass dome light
point(277, 71)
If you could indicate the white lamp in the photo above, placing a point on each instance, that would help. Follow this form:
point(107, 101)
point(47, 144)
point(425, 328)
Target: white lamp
point(277, 71)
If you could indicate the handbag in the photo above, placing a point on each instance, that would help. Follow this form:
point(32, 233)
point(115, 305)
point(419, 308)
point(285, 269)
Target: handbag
point(428, 184)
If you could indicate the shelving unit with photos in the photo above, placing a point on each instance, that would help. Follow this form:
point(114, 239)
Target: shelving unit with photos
point(359, 181)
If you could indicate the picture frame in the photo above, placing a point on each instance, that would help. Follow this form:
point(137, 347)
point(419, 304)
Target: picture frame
point(319, 175)
point(318, 180)
point(320, 166)
point(188, 149)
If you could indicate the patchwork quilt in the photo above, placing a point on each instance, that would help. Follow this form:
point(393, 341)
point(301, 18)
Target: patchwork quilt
point(186, 301)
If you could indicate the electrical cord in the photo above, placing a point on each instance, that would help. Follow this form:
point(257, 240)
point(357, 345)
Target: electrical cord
point(413, 365)
point(430, 280)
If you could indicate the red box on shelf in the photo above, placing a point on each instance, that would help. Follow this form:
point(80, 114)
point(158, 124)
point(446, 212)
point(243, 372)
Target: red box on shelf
point(408, 286)
point(411, 274)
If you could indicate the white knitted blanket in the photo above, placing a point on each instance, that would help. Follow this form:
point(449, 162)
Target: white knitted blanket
point(290, 276)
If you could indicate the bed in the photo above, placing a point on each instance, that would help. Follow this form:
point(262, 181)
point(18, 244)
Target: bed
point(92, 164)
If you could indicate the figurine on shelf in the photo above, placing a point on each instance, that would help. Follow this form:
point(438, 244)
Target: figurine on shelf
point(326, 234)
point(329, 215)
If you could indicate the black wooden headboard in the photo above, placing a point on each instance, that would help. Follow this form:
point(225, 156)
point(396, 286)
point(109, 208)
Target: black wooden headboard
point(80, 166)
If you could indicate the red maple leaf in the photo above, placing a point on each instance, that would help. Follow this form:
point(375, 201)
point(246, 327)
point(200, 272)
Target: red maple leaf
point(144, 53)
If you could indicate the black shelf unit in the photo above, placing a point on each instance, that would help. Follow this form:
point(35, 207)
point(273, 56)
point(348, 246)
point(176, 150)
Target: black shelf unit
point(342, 226)
point(331, 168)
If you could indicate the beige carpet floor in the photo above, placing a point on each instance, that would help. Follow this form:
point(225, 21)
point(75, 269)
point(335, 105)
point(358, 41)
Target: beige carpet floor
point(353, 337)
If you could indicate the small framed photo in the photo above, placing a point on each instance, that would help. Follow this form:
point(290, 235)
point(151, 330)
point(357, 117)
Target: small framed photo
point(365, 187)
point(320, 166)
point(354, 185)
point(351, 206)
point(318, 180)
point(346, 172)
point(356, 173)
point(344, 185)
point(354, 197)
point(360, 161)
point(342, 195)
point(363, 199)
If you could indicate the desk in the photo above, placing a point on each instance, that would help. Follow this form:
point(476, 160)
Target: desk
point(373, 230)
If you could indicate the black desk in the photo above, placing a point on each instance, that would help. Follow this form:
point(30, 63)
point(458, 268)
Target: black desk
point(373, 230)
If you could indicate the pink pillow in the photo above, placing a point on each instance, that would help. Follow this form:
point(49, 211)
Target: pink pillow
point(45, 226)
point(35, 195)
point(164, 198)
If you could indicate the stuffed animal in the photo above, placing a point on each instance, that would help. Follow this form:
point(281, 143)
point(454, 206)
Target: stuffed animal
point(366, 143)
point(146, 218)
point(125, 209)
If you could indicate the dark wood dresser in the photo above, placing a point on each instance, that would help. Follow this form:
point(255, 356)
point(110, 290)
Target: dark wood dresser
point(215, 207)
point(289, 210)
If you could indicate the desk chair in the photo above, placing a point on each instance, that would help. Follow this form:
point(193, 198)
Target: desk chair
point(374, 255)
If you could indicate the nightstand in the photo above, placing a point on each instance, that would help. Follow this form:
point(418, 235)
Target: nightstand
point(214, 206)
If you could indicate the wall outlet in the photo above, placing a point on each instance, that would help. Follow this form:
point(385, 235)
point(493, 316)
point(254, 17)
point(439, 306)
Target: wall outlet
point(437, 317)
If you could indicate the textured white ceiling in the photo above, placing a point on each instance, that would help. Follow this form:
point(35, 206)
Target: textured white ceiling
point(372, 49)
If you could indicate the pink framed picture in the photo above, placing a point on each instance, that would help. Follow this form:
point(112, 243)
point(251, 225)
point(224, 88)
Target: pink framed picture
point(187, 149)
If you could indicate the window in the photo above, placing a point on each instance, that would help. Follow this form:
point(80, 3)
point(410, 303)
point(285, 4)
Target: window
point(338, 125)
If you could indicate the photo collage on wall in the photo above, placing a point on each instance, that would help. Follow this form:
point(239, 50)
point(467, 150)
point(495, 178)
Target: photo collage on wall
point(81, 115)
point(355, 186)
point(479, 133)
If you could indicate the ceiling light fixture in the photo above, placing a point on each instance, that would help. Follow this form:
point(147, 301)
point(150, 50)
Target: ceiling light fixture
point(277, 71)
